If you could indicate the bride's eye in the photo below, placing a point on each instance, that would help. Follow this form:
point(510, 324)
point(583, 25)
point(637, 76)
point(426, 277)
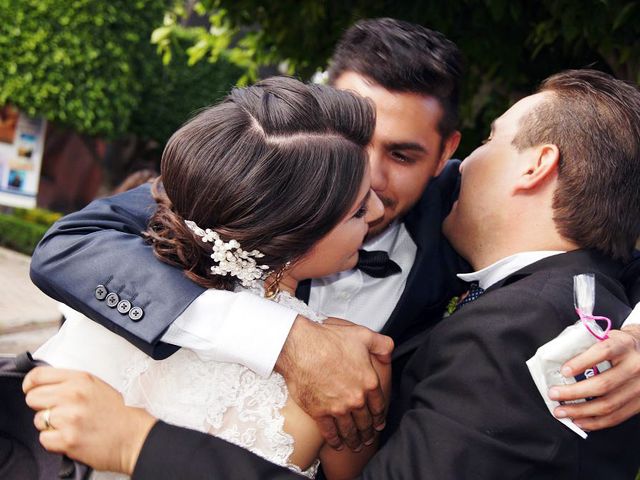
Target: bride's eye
point(362, 211)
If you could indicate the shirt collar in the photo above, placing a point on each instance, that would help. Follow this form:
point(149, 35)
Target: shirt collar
point(386, 240)
point(505, 267)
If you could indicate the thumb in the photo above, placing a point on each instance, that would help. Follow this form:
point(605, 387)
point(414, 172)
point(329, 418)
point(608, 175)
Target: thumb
point(381, 346)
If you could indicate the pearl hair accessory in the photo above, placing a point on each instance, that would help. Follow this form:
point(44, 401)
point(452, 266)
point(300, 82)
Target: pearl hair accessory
point(231, 259)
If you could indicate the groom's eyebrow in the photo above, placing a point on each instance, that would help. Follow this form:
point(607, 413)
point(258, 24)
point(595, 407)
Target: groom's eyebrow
point(415, 146)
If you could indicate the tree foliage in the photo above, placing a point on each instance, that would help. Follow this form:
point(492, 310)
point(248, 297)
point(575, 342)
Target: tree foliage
point(90, 65)
point(76, 62)
point(509, 45)
point(172, 93)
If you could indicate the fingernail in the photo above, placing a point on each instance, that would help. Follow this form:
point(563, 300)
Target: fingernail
point(369, 442)
point(566, 371)
point(559, 413)
point(358, 448)
point(380, 427)
point(554, 394)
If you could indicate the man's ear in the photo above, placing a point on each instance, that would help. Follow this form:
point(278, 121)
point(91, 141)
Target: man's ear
point(540, 165)
point(448, 149)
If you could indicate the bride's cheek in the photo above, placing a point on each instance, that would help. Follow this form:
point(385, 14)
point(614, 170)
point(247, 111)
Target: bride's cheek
point(363, 231)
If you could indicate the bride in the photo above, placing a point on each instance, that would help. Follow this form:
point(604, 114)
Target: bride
point(266, 189)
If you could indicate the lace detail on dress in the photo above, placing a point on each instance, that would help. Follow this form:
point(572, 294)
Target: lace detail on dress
point(287, 300)
point(223, 399)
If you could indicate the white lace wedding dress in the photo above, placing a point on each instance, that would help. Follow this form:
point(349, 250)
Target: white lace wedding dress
point(223, 399)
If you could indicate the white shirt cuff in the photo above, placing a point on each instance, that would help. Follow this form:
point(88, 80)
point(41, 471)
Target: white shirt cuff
point(233, 327)
point(634, 317)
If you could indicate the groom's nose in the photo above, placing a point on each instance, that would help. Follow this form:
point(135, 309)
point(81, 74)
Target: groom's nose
point(375, 209)
point(378, 169)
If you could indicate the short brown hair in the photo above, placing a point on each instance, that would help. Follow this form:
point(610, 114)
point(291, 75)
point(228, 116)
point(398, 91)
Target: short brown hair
point(594, 120)
point(274, 166)
point(403, 57)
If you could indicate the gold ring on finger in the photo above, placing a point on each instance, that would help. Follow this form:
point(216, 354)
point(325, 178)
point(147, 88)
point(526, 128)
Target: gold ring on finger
point(46, 417)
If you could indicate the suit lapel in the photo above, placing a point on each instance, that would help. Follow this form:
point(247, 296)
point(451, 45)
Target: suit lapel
point(590, 260)
point(415, 295)
point(432, 280)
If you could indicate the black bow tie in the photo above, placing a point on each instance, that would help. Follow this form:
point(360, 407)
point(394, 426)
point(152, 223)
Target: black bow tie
point(377, 264)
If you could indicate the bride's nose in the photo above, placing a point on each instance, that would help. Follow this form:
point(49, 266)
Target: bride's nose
point(375, 209)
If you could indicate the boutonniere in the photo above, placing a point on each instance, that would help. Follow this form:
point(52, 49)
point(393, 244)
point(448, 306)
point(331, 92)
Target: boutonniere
point(452, 305)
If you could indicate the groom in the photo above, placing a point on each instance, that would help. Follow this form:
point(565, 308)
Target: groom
point(545, 198)
point(95, 261)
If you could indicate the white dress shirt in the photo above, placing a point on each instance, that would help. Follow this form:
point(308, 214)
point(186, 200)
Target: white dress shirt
point(249, 330)
point(505, 267)
point(360, 298)
point(233, 327)
point(634, 317)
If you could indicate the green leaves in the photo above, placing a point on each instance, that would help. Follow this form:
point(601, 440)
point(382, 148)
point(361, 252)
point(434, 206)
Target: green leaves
point(624, 15)
point(93, 65)
point(77, 63)
point(172, 92)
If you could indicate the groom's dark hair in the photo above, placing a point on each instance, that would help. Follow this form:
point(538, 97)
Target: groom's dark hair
point(403, 57)
point(275, 166)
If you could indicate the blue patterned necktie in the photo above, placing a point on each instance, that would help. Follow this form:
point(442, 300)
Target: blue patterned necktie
point(475, 290)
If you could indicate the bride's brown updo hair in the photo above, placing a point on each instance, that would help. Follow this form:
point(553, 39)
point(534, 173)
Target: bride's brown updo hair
point(275, 166)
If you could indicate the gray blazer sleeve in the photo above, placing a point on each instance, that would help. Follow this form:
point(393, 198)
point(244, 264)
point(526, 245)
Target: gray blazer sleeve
point(96, 261)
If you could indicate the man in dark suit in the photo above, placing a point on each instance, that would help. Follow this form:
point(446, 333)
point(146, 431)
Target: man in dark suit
point(96, 262)
point(545, 198)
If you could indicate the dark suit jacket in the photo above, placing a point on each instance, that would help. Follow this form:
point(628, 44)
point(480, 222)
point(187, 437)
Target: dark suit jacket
point(101, 245)
point(469, 408)
point(21, 454)
point(631, 278)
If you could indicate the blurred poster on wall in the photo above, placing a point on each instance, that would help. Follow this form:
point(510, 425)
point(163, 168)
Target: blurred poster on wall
point(21, 147)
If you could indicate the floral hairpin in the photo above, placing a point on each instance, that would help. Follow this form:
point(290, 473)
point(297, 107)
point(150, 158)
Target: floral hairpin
point(231, 259)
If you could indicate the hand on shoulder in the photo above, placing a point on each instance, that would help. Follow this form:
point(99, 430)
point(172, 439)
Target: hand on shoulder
point(83, 417)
